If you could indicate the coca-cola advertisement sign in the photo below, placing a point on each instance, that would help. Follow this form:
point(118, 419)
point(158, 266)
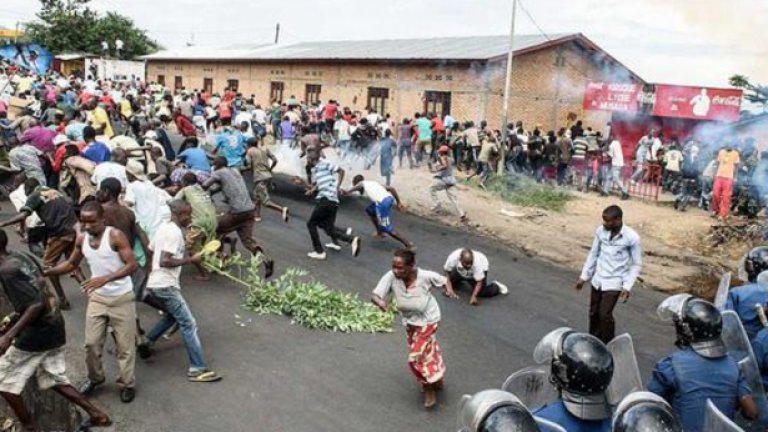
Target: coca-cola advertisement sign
point(700, 103)
point(605, 96)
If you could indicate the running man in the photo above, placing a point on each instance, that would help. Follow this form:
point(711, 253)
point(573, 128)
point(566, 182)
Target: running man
point(444, 181)
point(383, 198)
point(261, 161)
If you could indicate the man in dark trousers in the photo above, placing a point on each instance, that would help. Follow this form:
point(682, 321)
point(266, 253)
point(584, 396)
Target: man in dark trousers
point(612, 266)
point(326, 178)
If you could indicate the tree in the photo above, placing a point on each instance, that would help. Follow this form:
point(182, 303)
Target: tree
point(72, 26)
point(755, 93)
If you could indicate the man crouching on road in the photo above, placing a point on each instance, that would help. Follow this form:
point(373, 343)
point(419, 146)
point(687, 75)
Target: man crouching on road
point(467, 270)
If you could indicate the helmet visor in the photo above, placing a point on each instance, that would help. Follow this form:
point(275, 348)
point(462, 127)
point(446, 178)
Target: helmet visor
point(672, 307)
point(548, 345)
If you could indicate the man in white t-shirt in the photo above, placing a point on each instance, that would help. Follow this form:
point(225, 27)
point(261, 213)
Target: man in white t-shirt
point(168, 257)
point(383, 198)
point(616, 154)
point(467, 269)
point(148, 201)
point(343, 135)
point(114, 168)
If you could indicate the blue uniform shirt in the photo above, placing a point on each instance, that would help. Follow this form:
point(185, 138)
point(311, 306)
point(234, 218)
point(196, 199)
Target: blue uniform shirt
point(686, 380)
point(556, 413)
point(742, 300)
point(760, 347)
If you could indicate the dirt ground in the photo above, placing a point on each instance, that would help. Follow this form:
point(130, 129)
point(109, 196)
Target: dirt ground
point(677, 252)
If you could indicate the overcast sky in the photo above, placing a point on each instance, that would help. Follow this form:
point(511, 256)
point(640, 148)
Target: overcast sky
point(696, 42)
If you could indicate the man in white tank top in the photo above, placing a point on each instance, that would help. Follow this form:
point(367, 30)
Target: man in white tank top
point(110, 297)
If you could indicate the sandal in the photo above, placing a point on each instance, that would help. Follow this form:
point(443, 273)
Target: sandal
point(86, 425)
point(203, 376)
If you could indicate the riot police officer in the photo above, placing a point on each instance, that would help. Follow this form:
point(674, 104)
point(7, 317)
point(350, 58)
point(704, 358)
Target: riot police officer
point(499, 411)
point(645, 412)
point(581, 370)
point(700, 368)
point(744, 298)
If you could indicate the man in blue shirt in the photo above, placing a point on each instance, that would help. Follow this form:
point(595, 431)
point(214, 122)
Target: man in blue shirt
point(195, 158)
point(613, 264)
point(95, 151)
point(582, 369)
point(743, 299)
point(231, 145)
point(700, 368)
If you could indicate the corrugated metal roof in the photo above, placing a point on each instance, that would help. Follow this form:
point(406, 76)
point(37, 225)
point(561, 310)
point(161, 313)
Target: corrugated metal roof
point(450, 48)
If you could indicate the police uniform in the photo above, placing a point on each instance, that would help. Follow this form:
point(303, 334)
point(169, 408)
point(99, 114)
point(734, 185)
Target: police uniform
point(760, 348)
point(687, 379)
point(742, 300)
point(557, 413)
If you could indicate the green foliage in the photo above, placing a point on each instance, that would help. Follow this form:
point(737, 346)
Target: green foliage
point(71, 26)
point(525, 192)
point(754, 93)
point(309, 303)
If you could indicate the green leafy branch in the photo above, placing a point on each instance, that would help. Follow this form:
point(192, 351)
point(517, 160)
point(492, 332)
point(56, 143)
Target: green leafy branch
point(309, 303)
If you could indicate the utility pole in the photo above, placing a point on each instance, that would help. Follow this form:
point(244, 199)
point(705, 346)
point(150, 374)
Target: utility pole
point(277, 33)
point(16, 34)
point(507, 89)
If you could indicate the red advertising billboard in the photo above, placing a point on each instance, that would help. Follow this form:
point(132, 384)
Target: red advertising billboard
point(611, 96)
point(700, 103)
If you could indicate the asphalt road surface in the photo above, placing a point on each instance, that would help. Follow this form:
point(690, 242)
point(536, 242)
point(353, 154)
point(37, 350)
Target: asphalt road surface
point(281, 377)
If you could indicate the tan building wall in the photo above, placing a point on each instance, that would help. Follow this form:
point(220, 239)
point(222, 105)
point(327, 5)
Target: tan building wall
point(542, 92)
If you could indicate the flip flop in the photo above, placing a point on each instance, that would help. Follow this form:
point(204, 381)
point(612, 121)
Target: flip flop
point(204, 377)
point(86, 425)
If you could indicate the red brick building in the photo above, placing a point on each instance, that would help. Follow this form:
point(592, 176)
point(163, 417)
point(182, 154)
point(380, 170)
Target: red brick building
point(463, 76)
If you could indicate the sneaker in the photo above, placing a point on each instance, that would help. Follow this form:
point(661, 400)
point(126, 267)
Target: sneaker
point(317, 256)
point(503, 290)
point(286, 215)
point(144, 351)
point(333, 246)
point(624, 196)
point(349, 231)
point(356, 246)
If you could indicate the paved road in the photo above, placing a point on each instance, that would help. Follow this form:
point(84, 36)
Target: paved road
point(280, 377)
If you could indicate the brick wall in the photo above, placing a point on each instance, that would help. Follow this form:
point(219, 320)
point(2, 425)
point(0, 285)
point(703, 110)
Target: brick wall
point(544, 89)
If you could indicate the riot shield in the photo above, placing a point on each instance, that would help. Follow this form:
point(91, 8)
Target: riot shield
point(626, 373)
point(716, 421)
point(548, 426)
point(722, 291)
point(461, 425)
point(532, 386)
point(736, 341)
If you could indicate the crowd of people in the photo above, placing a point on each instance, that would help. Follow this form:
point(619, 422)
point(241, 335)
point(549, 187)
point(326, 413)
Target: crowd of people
point(92, 170)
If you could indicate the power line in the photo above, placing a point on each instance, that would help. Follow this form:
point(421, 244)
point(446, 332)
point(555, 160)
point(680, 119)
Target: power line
point(549, 39)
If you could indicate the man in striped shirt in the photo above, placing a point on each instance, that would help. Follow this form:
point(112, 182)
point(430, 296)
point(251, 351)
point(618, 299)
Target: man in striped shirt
point(326, 178)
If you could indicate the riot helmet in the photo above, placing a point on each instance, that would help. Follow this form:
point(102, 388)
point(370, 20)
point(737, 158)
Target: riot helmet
point(756, 262)
point(495, 411)
point(645, 412)
point(698, 324)
point(581, 369)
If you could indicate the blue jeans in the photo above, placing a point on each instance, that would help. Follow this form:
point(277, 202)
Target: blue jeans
point(177, 311)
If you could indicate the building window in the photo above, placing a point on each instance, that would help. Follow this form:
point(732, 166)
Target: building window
point(161, 80)
point(312, 94)
point(276, 91)
point(377, 99)
point(177, 83)
point(208, 85)
point(437, 102)
point(233, 84)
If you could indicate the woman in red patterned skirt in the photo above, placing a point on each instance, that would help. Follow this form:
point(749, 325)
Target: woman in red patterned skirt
point(410, 287)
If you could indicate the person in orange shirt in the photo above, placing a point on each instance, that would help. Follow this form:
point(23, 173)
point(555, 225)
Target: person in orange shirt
point(722, 190)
